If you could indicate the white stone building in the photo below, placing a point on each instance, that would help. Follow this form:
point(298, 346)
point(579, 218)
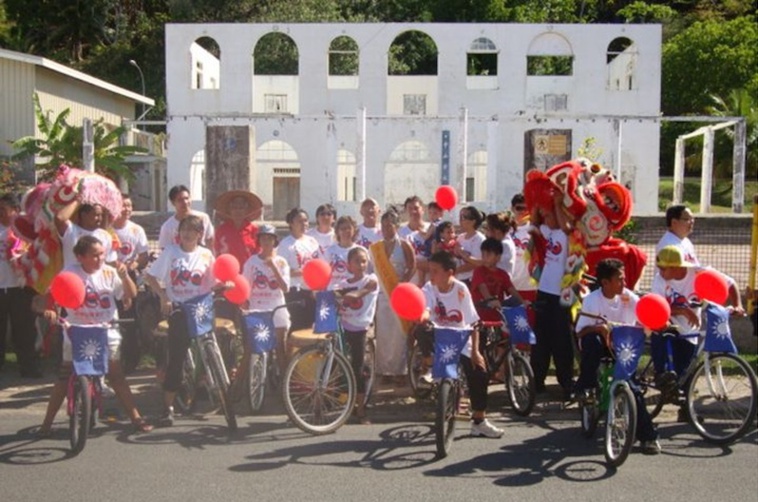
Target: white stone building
point(339, 137)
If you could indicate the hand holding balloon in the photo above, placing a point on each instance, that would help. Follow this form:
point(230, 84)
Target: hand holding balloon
point(67, 289)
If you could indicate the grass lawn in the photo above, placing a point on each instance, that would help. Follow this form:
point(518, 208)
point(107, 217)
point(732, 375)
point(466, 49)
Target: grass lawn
point(721, 197)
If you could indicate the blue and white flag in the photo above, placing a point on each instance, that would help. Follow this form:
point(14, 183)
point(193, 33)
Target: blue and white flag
point(518, 325)
point(326, 313)
point(628, 345)
point(448, 344)
point(198, 312)
point(260, 331)
point(89, 349)
point(718, 336)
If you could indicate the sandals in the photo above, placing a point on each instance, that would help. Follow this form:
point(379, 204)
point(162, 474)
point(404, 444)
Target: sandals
point(141, 426)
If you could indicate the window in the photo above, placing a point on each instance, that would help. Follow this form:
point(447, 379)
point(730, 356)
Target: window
point(549, 65)
point(621, 61)
point(343, 57)
point(481, 59)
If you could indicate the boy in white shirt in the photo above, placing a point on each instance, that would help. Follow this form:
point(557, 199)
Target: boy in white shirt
point(449, 305)
point(179, 196)
point(616, 304)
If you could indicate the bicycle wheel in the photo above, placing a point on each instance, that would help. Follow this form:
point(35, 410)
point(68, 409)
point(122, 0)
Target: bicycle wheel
point(652, 396)
point(369, 369)
point(81, 413)
point(621, 427)
point(589, 414)
point(318, 390)
point(215, 365)
point(184, 401)
point(721, 398)
point(520, 384)
point(448, 396)
point(257, 380)
point(416, 369)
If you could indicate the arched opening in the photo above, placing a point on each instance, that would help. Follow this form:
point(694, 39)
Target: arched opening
point(197, 177)
point(412, 75)
point(481, 64)
point(346, 175)
point(278, 161)
point(344, 63)
point(621, 61)
point(549, 54)
point(275, 79)
point(205, 57)
point(410, 169)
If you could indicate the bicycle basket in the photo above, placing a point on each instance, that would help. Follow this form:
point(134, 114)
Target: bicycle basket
point(198, 313)
point(326, 313)
point(718, 336)
point(448, 344)
point(260, 331)
point(518, 325)
point(628, 345)
point(89, 349)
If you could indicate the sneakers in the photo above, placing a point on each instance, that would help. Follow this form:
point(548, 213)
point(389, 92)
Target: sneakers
point(427, 377)
point(167, 419)
point(652, 447)
point(486, 429)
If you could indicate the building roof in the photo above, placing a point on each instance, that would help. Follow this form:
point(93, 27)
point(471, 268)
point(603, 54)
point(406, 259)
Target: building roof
point(70, 72)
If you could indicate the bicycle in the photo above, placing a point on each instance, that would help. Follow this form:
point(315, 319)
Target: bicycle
point(504, 343)
point(318, 387)
point(614, 397)
point(717, 390)
point(204, 359)
point(261, 338)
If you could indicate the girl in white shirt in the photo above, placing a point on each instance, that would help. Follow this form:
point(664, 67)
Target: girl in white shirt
point(470, 241)
point(324, 232)
point(336, 254)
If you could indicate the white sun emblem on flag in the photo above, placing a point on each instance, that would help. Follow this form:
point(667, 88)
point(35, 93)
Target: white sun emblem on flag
point(448, 353)
point(521, 323)
point(262, 333)
point(201, 313)
point(626, 354)
point(90, 349)
point(324, 311)
point(722, 328)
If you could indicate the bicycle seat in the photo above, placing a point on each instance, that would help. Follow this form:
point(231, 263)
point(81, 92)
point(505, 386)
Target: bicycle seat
point(300, 338)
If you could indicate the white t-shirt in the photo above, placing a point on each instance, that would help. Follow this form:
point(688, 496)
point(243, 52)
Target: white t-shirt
point(298, 252)
point(367, 236)
point(358, 315)
point(688, 249)
point(555, 260)
point(9, 277)
point(265, 293)
point(169, 233)
point(101, 290)
point(324, 240)
point(520, 276)
point(619, 309)
point(473, 247)
point(336, 256)
point(508, 258)
point(185, 275)
point(453, 309)
point(72, 235)
point(415, 238)
point(132, 242)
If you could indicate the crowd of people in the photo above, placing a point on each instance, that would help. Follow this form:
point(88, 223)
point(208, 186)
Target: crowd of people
point(466, 268)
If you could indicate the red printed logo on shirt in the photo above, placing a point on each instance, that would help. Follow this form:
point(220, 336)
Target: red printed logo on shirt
point(554, 247)
point(182, 276)
point(444, 317)
point(93, 299)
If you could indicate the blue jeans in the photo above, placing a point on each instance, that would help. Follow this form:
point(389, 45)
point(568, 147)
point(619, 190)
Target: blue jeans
point(682, 352)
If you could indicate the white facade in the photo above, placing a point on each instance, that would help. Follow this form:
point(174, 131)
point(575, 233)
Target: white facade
point(312, 125)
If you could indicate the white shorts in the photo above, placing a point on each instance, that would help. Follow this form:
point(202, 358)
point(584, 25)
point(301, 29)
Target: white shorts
point(114, 346)
point(282, 319)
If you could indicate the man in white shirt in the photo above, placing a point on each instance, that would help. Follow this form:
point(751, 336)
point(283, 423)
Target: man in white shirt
point(179, 196)
point(680, 222)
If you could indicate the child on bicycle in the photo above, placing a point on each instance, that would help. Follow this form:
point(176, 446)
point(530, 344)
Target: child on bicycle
point(269, 278)
point(103, 285)
point(676, 282)
point(616, 304)
point(491, 284)
point(358, 305)
point(185, 270)
point(449, 305)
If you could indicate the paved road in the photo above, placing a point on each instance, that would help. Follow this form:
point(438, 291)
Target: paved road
point(542, 458)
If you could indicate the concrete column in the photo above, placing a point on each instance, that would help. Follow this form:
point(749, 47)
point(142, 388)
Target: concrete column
point(738, 171)
point(229, 160)
point(460, 183)
point(679, 172)
point(706, 184)
point(360, 155)
point(493, 171)
point(88, 146)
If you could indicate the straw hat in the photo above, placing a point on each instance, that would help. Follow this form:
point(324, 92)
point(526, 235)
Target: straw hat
point(224, 200)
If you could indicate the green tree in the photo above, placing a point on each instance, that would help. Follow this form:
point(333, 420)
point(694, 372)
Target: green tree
point(62, 144)
point(740, 103)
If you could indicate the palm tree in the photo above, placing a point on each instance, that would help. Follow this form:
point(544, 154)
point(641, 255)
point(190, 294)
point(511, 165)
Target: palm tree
point(740, 103)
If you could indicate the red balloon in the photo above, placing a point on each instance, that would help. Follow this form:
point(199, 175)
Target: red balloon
point(317, 274)
point(653, 311)
point(408, 302)
point(240, 292)
point(711, 286)
point(226, 268)
point(67, 289)
point(446, 197)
